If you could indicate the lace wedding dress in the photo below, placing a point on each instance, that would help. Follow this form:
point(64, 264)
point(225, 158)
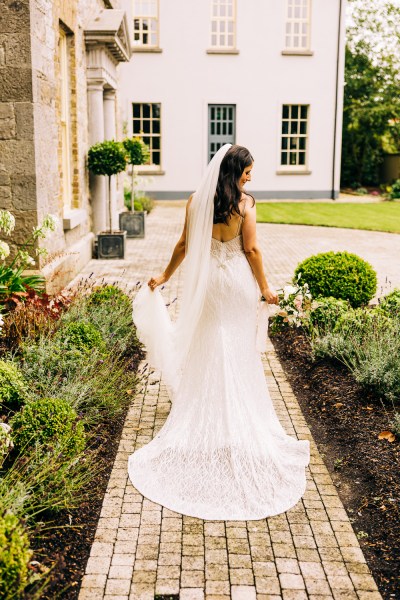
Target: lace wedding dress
point(222, 453)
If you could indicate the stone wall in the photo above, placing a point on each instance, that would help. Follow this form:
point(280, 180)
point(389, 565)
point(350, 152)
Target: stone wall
point(17, 147)
point(30, 131)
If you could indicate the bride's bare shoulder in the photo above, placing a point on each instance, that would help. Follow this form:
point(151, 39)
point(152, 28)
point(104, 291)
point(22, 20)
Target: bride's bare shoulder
point(247, 201)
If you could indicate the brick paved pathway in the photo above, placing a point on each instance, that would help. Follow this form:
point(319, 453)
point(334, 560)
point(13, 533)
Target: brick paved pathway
point(142, 549)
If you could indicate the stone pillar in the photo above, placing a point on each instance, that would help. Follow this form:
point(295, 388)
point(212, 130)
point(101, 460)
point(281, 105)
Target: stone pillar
point(110, 134)
point(96, 134)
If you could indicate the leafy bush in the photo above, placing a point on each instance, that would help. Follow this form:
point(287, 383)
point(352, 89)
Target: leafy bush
point(341, 275)
point(391, 303)
point(394, 192)
point(111, 294)
point(82, 336)
point(147, 203)
point(15, 555)
point(326, 311)
point(45, 421)
point(360, 320)
point(107, 158)
point(142, 202)
point(138, 152)
point(13, 390)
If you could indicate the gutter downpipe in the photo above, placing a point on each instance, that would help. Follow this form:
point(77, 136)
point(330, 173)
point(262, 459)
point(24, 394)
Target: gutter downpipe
point(336, 100)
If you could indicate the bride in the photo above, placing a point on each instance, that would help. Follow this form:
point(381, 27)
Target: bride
point(222, 453)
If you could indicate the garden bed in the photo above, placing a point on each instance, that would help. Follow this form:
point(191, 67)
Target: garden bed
point(345, 421)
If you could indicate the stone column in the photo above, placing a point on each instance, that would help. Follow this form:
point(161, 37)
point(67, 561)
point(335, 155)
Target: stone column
point(96, 134)
point(110, 134)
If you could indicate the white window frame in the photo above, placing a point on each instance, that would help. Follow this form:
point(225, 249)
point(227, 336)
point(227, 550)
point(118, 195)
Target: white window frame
point(151, 19)
point(298, 18)
point(151, 166)
point(219, 26)
point(65, 122)
point(293, 146)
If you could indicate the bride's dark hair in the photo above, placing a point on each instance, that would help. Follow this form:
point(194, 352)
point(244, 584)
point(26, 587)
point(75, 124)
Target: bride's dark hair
point(228, 193)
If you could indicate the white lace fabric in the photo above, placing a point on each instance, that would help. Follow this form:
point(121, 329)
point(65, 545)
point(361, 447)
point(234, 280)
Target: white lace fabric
point(222, 453)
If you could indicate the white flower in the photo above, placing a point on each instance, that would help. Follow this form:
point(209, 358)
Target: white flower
point(288, 290)
point(25, 258)
point(7, 221)
point(50, 222)
point(41, 251)
point(6, 427)
point(4, 250)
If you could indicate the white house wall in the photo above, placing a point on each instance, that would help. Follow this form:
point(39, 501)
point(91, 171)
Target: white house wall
point(185, 80)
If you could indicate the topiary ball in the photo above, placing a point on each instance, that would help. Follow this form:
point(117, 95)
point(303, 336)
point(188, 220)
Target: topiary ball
point(110, 294)
point(15, 555)
point(13, 390)
point(338, 274)
point(81, 335)
point(47, 421)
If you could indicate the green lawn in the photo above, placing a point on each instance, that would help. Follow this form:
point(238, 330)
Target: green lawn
point(384, 216)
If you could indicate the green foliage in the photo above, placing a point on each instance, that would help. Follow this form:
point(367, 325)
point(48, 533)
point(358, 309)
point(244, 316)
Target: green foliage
point(391, 303)
point(142, 202)
point(15, 555)
point(341, 275)
point(107, 158)
point(394, 193)
point(371, 117)
point(46, 421)
point(326, 311)
point(82, 336)
point(13, 389)
point(110, 294)
point(138, 152)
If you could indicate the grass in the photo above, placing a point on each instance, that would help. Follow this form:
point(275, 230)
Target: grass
point(383, 216)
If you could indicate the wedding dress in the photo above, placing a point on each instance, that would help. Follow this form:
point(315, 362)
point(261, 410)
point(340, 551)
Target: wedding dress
point(222, 453)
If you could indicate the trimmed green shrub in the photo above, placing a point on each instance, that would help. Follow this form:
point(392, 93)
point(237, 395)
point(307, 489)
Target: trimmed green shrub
point(391, 303)
point(359, 320)
point(327, 311)
point(81, 335)
point(341, 275)
point(15, 555)
point(394, 191)
point(109, 293)
point(13, 391)
point(47, 421)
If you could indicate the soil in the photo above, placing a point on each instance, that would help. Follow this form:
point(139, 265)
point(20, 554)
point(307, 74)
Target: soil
point(345, 421)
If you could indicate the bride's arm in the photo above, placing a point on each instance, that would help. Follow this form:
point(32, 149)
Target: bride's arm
point(177, 257)
point(254, 256)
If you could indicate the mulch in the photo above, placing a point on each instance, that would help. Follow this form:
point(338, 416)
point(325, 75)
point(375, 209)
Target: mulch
point(345, 421)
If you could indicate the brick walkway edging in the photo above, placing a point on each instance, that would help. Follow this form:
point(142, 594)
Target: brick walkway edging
point(142, 549)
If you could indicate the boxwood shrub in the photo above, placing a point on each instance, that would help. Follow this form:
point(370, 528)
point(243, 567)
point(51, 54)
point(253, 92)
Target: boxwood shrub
point(110, 294)
point(15, 555)
point(13, 389)
point(327, 312)
point(81, 335)
point(338, 274)
point(45, 421)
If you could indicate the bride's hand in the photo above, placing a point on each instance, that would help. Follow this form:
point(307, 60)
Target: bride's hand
point(156, 281)
point(270, 296)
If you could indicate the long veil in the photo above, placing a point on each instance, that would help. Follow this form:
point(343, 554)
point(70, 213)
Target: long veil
point(168, 343)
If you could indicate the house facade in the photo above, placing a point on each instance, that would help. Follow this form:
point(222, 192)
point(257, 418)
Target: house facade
point(267, 75)
point(59, 64)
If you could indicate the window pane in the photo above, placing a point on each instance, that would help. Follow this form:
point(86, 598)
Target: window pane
point(303, 111)
point(284, 158)
point(303, 127)
point(302, 158)
point(136, 126)
point(294, 127)
point(284, 143)
point(285, 127)
point(293, 143)
point(146, 111)
point(285, 111)
point(156, 126)
point(293, 158)
point(136, 111)
point(302, 143)
point(156, 158)
point(156, 143)
point(295, 111)
point(146, 126)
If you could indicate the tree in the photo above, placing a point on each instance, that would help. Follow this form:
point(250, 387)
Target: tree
point(138, 154)
point(371, 118)
point(107, 158)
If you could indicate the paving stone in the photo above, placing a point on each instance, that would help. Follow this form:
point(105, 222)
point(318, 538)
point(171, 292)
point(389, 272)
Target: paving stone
point(291, 581)
point(241, 592)
point(217, 587)
point(191, 594)
point(287, 565)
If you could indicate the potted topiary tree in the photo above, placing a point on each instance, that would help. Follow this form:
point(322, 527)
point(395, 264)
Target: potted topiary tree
point(108, 158)
point(133, 222)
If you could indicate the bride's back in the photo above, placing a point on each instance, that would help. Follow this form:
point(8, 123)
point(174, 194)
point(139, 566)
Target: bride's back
point(224, 233)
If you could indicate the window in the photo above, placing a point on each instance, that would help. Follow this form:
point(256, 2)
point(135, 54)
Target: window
point(65, 123)
point(221, 126)
point(294, 136)
point(298, 25)
point(223, 25)
point(147, 126)
point(145, 23)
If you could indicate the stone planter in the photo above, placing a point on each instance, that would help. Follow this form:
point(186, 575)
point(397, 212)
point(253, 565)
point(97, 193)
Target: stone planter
point(111, 245)
point(133, 223)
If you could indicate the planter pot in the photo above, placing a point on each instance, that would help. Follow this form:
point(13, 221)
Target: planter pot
point(133, 223)
point(111, 245)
